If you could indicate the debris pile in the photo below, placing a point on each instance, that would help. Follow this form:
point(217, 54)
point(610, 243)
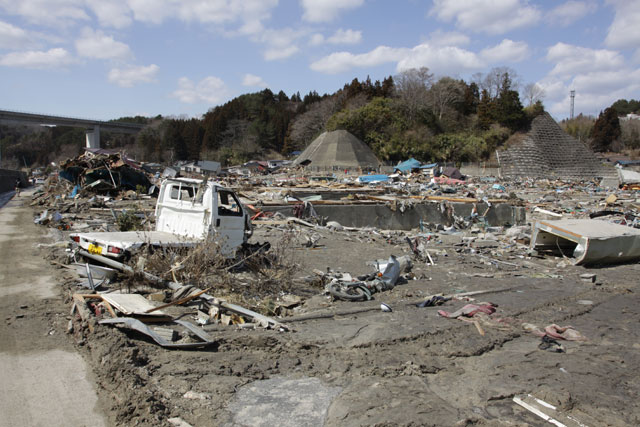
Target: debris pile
point(461, 266)
point(105, 173)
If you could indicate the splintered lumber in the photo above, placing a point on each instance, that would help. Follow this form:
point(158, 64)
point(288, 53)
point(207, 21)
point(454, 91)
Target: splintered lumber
point(81, 307)
point(263, 320)
point(131, 304)
point(178, 302)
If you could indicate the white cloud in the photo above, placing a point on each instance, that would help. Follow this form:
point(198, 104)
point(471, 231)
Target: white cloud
point(571, 60)
point(441, 60)
point(130, 76)
point(316, 39)
point(339, 37)
point(47, 12)
point(280, 43)
point(248, 13)
point(327, 10)
point(594, 90)
point(344, 61)
point(571, 11)
point(345, 37)
point(506, 51)
point(111, 13)
point(253, 80)
point(275, 53)
point(12, 37)
point(209, 90)
point(52, 58)
point(153, 11)
point(452, 38)
point(624, 31)
point(16, 38)
point(598, 76)
point(96, 44)
point(489, 16)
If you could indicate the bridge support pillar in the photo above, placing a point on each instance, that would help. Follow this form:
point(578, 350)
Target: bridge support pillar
point(93, 137)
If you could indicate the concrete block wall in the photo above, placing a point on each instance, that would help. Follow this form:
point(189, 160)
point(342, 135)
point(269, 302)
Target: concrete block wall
point(381, 216)
point(547, 151)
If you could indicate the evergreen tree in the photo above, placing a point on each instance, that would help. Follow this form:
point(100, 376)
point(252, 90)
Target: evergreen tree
point(486, 112)
point(606, 130)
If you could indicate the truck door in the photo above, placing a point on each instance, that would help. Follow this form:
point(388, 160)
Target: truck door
point(229, 222)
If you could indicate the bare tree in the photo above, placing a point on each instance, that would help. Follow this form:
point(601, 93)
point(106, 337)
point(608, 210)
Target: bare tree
point(312, 122)
point(445, 93)
point(411, 87)
point(493, 81)
point(533, 93)
point(630, 133)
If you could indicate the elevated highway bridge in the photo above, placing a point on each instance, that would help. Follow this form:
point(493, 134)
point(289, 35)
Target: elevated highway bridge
point(93, 127)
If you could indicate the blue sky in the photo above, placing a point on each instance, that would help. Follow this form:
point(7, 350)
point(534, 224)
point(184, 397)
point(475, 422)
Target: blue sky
point(105, 59)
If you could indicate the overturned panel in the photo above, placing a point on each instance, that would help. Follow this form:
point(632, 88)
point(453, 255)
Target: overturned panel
point(590, 241)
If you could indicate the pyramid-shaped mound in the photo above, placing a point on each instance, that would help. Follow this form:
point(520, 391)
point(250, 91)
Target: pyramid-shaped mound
point(547, 151)
point(338, 149)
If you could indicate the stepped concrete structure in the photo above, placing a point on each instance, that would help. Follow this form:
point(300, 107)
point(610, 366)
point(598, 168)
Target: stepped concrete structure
point(547, 151)
point(338, 150)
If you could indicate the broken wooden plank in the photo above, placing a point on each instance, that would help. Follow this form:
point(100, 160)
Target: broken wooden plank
point(82, 309)
point(180, 301)
point(131, 304)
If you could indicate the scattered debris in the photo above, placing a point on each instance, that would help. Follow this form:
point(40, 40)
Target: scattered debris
point(546, 411)
point(588, 241)
point(204, 339)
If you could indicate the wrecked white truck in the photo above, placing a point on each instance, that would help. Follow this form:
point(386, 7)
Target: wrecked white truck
point(188, 211)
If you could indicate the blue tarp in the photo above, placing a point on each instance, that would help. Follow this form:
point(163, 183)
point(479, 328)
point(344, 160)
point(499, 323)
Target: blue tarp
point(373, 178)
point(407, 165)
point(429, 166)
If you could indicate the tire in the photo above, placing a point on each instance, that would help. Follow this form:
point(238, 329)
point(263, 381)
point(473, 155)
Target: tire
point(348, 293)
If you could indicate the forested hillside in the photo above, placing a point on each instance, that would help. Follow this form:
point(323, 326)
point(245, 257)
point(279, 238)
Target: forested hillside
point(412, 114)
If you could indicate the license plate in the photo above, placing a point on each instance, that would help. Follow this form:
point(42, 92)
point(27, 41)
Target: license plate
point(95, 249)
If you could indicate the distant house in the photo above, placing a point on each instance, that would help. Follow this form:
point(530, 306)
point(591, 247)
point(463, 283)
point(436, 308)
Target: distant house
point(630, 116)
point(203, 167)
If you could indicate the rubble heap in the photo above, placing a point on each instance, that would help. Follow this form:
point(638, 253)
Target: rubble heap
point(548, 151)
point(104, 172)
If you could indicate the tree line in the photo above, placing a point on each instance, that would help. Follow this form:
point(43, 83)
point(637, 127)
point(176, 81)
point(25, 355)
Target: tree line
point(411, 114)
point(611, 131)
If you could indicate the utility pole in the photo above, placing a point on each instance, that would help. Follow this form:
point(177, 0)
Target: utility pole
point(573, 96)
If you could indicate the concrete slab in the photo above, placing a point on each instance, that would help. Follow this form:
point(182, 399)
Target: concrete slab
point(35, 394)
point(283, 402)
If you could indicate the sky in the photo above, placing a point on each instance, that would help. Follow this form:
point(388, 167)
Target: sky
point(105, 59)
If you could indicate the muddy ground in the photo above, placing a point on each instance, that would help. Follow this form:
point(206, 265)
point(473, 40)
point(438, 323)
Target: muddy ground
point(405, 367)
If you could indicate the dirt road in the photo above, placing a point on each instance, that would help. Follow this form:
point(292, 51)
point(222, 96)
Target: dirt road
point(45, 382)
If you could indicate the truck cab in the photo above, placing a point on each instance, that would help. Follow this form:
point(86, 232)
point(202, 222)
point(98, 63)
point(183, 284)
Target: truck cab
point(194, 208)
point(187, 212)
